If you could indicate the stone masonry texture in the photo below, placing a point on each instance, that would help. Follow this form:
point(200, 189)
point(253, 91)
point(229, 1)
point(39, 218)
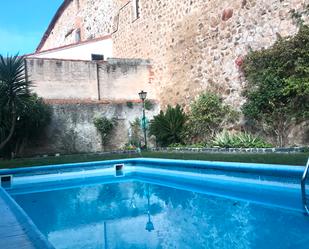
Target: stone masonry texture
point(193, 45)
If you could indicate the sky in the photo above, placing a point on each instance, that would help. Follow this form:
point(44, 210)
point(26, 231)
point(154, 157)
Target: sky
point(23, 23)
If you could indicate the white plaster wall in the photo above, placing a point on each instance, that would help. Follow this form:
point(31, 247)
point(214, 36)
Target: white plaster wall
point(57, 79)
point(80, 51)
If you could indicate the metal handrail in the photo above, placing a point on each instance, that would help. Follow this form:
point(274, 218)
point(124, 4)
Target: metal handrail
point(303, 188)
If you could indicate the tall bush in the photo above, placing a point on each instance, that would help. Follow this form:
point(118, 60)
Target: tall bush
point(208, 116)
point(278, 85)
point(105, 126)
point(14, 92)
point(32, 119)
point(136, 135)
point(168, 126)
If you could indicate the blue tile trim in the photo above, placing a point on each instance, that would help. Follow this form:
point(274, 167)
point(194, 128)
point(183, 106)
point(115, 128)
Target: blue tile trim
point(265, 169)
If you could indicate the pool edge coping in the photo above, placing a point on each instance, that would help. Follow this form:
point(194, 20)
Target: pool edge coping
point(273, 169)
point(37, 239)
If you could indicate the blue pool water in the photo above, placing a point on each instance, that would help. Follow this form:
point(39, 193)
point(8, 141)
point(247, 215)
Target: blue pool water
point(136, 214)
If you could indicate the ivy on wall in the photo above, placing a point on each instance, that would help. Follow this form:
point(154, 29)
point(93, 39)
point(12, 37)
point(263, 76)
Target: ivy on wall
point(278, 85)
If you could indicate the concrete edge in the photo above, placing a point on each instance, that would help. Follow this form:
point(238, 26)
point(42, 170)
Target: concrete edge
point(265, 169)
point(34, 234)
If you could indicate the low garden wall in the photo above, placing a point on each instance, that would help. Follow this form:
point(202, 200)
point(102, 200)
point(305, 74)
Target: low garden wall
point(232, 150)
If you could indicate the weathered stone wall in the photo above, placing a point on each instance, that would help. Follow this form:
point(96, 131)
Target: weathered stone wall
point(113, 80)
point(123, 79)
point(72, 129)
point(94, 18)
point(196, 45)
point(193, 45)
point(63, 79)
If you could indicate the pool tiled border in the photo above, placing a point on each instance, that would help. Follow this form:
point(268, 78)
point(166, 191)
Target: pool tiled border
point(20, 232)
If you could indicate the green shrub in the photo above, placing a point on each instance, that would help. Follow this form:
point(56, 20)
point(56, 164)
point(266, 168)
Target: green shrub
point(129, 147)
point(208, 116)
point(168, 126)
point(227, 139)
point(130, 104)
point(32, 119)
point(136, 135)
point(176, 145)
point(278, 86)
point(105, 126)
point(148, 105)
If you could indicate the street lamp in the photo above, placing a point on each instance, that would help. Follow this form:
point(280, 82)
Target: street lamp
point(149, 225)
point(142, 96)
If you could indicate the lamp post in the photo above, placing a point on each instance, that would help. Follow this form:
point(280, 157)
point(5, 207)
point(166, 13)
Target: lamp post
point(142, 96)
point(149, 225)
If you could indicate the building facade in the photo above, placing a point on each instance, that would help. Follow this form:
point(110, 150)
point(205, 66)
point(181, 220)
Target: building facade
point(173, 49)
point(194, 45)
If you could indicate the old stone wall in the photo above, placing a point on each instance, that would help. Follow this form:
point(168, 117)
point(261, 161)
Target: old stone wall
point(94, 18)
point(123, 79)
point(72, 129)
point(113, 80)
point(196, 45)
point(63, 79)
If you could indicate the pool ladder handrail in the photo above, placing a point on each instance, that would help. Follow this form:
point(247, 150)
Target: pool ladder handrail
point(303, 188)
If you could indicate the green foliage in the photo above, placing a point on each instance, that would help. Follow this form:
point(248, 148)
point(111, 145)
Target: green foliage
point(226, 139)
point(105, 126)
point(148, 105)
point(278, 85)
point(16, 102)
point(196, 145)
point(298, 15)
point(208, 116)
point(129, 146)
point(136, 135)
point(168, 126)
point(32, 119)
point(130, 104)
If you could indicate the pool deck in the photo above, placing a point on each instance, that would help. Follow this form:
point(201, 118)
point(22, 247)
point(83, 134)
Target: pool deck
point(16, 229)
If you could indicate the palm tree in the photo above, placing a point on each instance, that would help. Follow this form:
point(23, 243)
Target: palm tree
point(14, 91)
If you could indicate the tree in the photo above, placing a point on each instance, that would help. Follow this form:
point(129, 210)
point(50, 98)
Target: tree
point(14, 91)
point(32, 120)
point(208, 116)
point(278, 85)
point(168, 126)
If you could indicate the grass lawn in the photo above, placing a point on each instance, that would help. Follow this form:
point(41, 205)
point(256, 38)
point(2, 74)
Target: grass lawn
point(274, 158)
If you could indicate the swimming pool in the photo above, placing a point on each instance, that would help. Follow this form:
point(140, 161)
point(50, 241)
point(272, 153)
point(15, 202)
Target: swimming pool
point(155, 203)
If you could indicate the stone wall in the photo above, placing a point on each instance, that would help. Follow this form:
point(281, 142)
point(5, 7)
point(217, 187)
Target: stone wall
point(63, 79)
point(193, 45)
point(196, 45)
point(113, 80)
point(72, 129)
point(123, 79)
point(94, 18)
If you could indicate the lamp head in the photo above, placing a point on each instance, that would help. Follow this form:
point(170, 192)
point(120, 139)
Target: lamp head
point(142, 95)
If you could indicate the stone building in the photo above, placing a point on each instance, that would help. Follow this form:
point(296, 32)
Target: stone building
point(191, 45)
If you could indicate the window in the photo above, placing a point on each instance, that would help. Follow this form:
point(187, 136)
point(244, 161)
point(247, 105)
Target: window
point(77, 36)
point(97, 57)
point(136, 9)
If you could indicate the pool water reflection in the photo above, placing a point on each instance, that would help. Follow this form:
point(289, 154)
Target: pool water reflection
point(140, 215)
